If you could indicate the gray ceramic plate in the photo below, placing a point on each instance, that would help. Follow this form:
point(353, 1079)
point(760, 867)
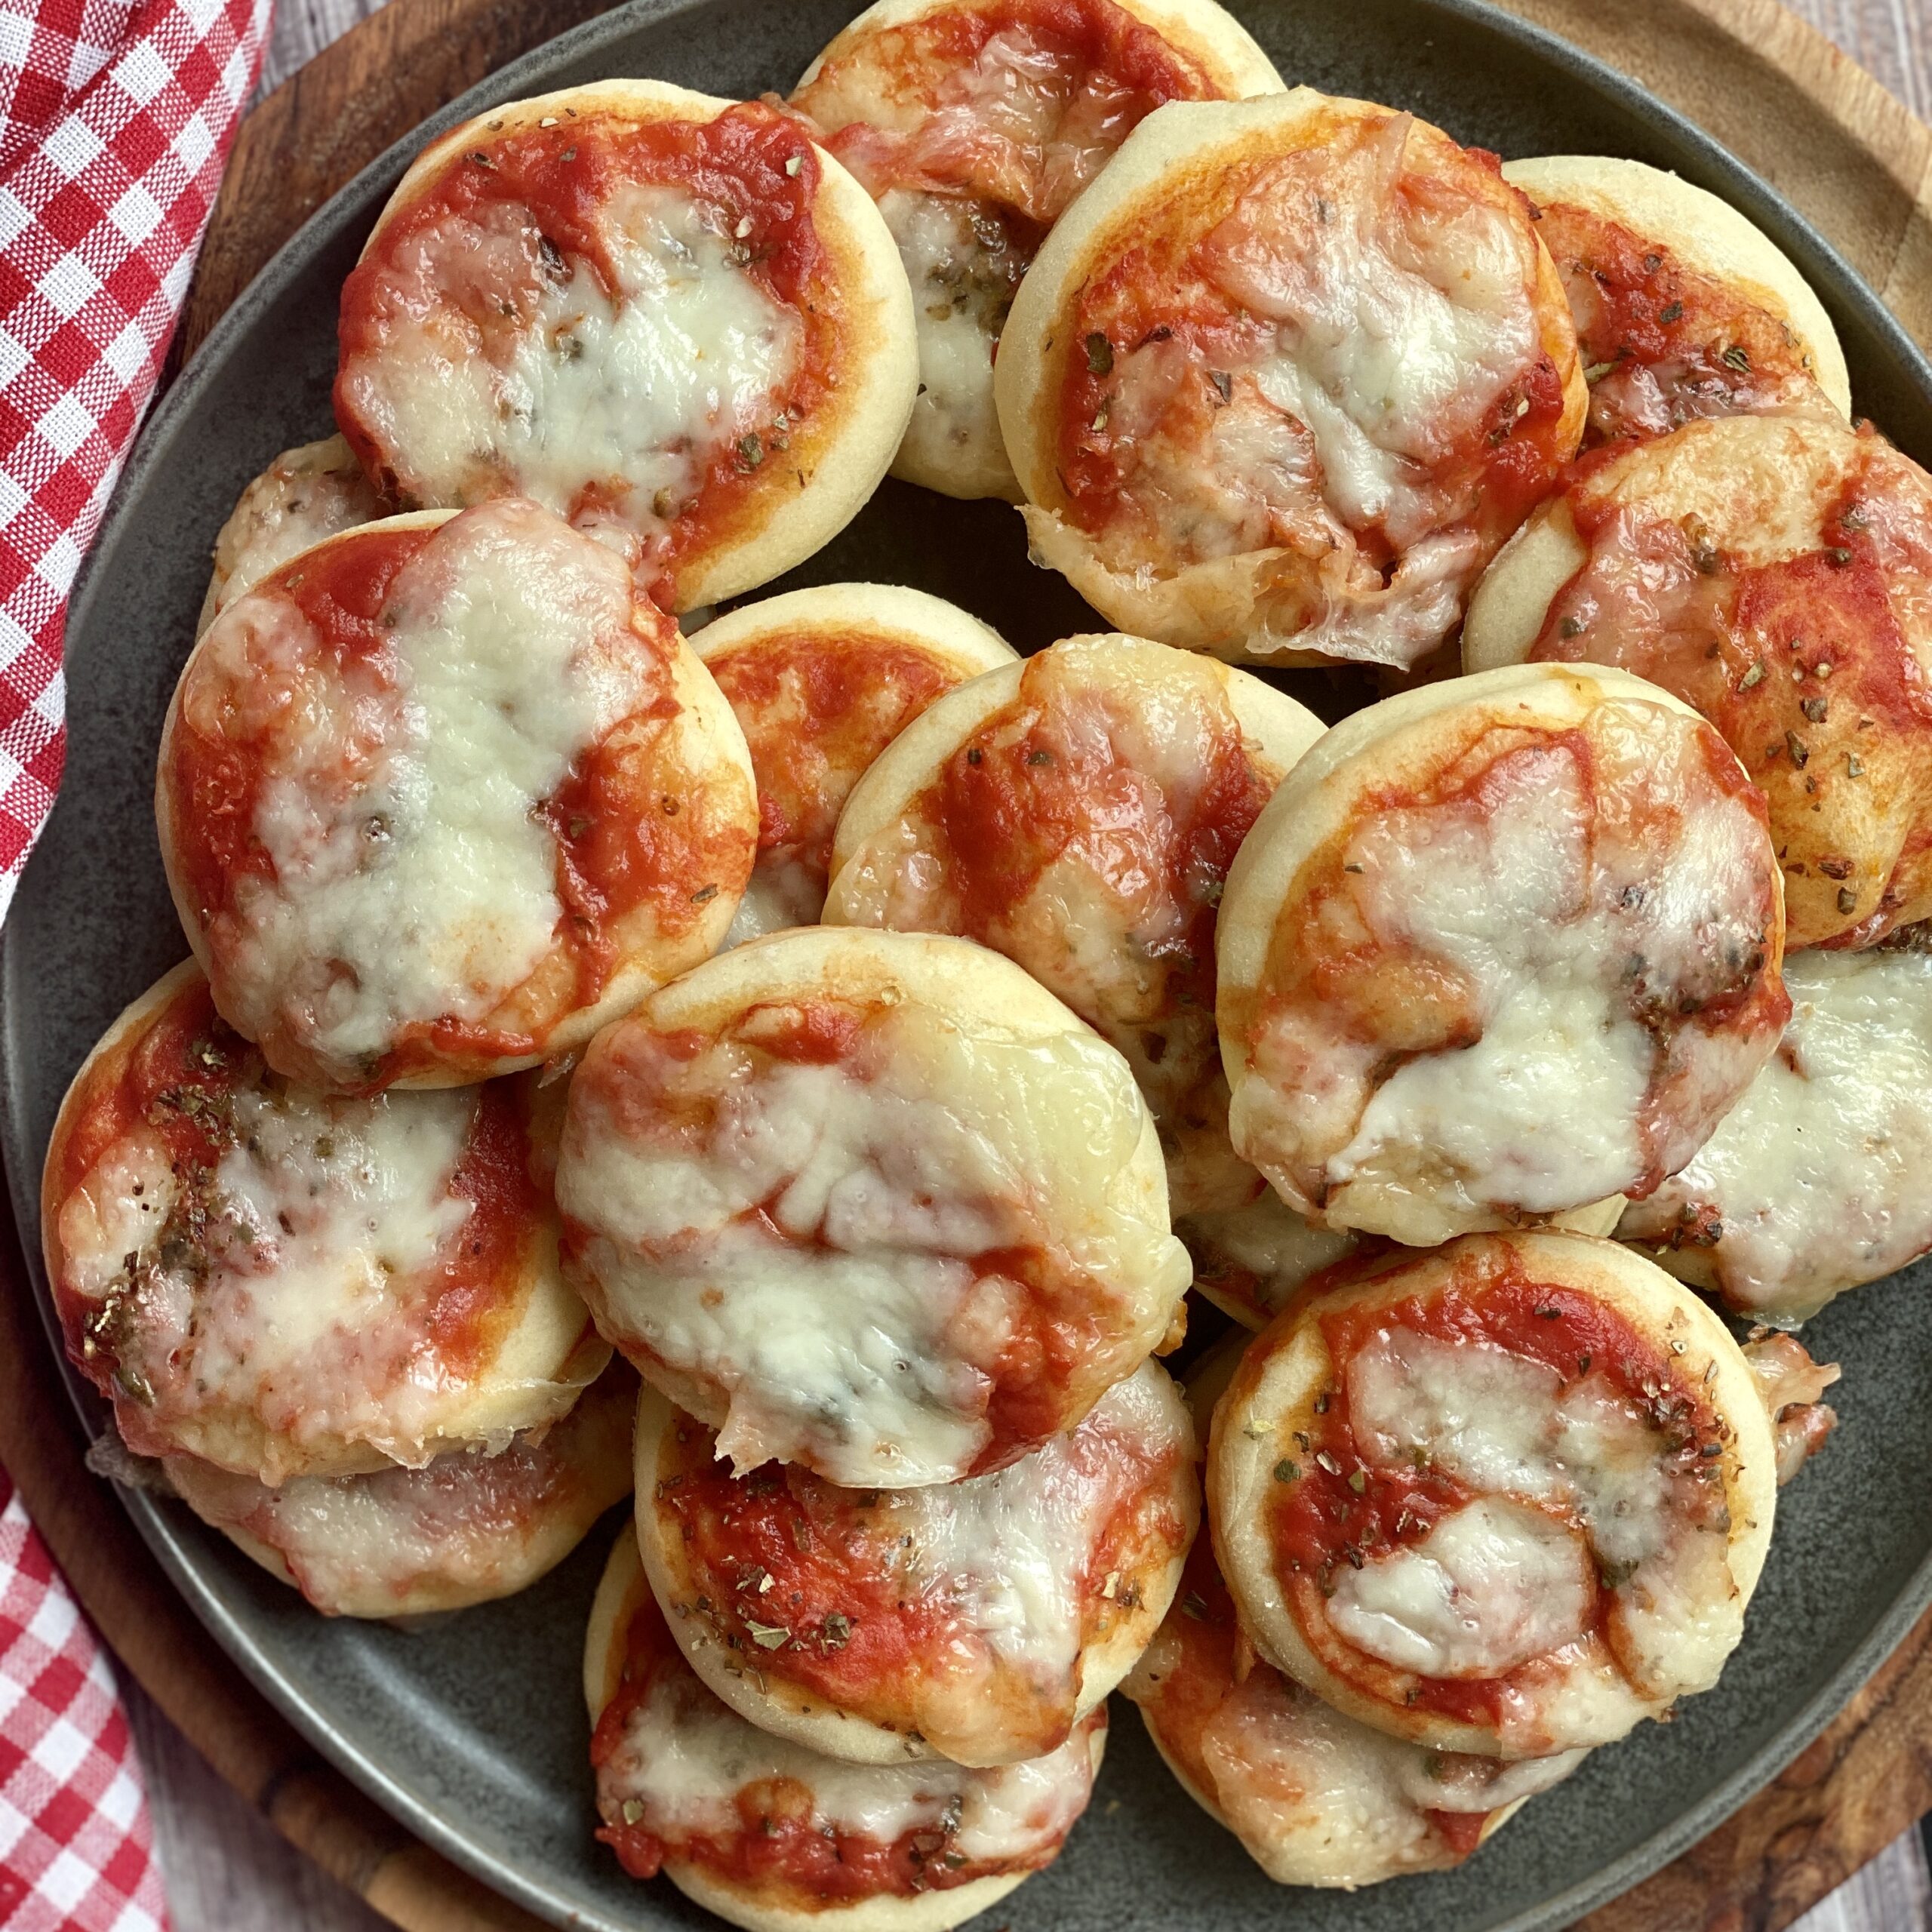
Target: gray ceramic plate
point(472, 1733)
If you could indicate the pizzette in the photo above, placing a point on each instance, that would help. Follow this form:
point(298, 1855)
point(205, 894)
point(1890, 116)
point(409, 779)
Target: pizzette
point(822, 681)
point(1510, 1497)
point(285, 1283)
point(979, 1620)
point(670, 318)
point(776, 1837)
point(973, 123)
point(1280, 384)
point(873, 1203)
point(441, 796)
point(1427, 1006)
point(1683, 308)
point(470, 1526)
point(1776, 574)
point(1079, 813)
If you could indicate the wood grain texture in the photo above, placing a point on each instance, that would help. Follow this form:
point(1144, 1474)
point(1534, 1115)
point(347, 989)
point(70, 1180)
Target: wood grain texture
point(1851, 157)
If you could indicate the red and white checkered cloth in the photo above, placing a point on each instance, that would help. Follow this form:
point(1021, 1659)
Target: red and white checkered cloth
point(76, 1847)
point(115, 118)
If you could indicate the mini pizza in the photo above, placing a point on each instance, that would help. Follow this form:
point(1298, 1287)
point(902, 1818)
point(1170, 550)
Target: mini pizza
point(773, 1836)
point(305, 495)
point(1816, 1181)
point(1776, 574)
point(875, 1203)
point(1079, 813)
point(1683, 308)
point(285, 1283)
point(978, 1620)
point(822, 681)
point(473, 1525)
point(1283, 382)
point(1510, 1497)
point(973, 123)
point(1498, 949)
point(671, 319)
point(441, 796)
point(1315, 1798)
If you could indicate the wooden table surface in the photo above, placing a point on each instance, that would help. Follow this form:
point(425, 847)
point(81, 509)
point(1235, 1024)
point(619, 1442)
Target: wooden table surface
point(228, 1870)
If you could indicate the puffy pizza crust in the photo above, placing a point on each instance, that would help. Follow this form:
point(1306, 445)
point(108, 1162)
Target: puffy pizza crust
point(541, 1363)
point(620, 1592)
point(851, 622)
point(1705, 233)
point(848, 451)
point(1164, 173)
point(789, 1710)
point(646, 958)
point(1758, 489)
point(1288, 1366)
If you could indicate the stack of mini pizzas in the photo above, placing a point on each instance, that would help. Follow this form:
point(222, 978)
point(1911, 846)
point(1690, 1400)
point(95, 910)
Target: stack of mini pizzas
point(868, 1037)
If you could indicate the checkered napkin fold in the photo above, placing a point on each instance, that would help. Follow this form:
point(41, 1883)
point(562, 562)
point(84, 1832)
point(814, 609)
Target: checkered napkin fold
point(115, 118)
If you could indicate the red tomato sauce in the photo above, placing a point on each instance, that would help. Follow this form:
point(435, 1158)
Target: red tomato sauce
point(1115, 71)
point(1829, 606)
point(1339, 1507)
point(785, 1552)
point(1162, 288)
point(817, 711)
point(752, 168)
point(1716, 352)
point(777, 1847)
point(178, 1081)
point(1326, 951)
point(216, 781)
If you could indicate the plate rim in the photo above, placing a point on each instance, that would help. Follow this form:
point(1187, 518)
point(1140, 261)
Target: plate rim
point(1844, 288)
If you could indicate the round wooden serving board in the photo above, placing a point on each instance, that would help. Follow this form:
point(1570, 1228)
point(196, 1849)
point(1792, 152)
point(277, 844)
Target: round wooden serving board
point(1808, 120)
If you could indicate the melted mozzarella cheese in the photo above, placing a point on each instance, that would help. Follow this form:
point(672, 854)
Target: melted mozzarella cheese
point(1109, 922)
point(301, 1300)
point(1008, 1553)
point(1395, 336)
point(1492, 1586)
point(631, 391)
point(415, 878)
point(685, 1761)
point(1509, 1428)
point(1529, 910)
point(1815, 1179)
point(963, 270)
point(813, 1257)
